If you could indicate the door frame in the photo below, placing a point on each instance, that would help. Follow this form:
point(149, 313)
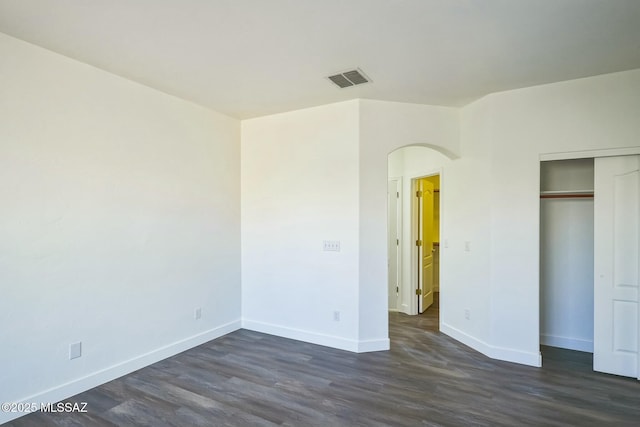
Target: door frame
point(399, 228)
point(415, 250)
point(570, 155)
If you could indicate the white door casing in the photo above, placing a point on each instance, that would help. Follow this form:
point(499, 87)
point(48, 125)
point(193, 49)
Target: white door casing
point(394, 220)
point(616, 265)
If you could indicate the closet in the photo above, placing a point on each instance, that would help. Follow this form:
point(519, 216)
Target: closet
point(567, 254)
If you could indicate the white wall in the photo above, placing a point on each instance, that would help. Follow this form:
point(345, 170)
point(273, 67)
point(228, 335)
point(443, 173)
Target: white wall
point(300, 187)
point(395, 164)
point(587, 114)
point(466, 215)
point(120, 216)
point(566, 273)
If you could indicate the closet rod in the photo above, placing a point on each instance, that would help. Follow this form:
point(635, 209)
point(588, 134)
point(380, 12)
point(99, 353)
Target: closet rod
point(567, 196)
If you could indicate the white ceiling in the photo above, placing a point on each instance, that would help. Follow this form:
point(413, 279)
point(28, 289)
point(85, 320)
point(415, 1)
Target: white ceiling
point(249, 58)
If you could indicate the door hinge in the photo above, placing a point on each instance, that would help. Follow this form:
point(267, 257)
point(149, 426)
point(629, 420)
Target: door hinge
point(418, 242)
point(397, 289)
point(397, 194)
point(418, 193)
point(397, 242)
point(418, 291)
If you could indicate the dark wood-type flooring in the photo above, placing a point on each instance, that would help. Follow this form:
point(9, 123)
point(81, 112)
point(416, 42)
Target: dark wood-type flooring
point(426, 379)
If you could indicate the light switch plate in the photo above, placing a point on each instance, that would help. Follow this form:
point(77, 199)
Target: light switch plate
point(331, 245)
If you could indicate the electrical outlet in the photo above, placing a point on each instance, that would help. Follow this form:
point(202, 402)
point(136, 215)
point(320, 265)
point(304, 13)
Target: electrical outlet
point(467, 314)
point(336, 316)
point(75, 350)
point(197, 313)
point(331, 245)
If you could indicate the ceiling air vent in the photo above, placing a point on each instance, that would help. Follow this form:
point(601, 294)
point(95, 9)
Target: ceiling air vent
point(349, 78)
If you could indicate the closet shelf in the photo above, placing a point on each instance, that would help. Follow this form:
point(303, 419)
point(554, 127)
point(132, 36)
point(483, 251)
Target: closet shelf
point(566, 194)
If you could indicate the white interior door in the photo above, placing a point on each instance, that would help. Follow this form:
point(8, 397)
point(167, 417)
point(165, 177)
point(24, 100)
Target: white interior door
point(616, 264)
point(424, 242)
point(393, 240)
point(426, 285)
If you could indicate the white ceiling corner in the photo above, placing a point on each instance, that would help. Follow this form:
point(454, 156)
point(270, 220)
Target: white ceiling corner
point(248, 58)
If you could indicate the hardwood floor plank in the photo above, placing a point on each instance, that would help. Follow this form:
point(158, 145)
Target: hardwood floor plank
point(426, 379)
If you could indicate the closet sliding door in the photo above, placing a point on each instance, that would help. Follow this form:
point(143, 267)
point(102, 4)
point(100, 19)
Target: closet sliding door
point(616, 265)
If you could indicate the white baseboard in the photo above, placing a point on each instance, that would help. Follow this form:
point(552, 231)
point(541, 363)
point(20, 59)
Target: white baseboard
point(494, 352)
point(567, 342)
point(316, 338)
point(79, 385)
point(373, 345)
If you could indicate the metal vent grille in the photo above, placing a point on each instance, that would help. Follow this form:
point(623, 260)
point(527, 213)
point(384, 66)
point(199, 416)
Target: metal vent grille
point(340, 80)
point(349, 78)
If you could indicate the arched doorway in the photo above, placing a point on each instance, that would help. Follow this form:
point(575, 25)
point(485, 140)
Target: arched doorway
point(413, 257)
